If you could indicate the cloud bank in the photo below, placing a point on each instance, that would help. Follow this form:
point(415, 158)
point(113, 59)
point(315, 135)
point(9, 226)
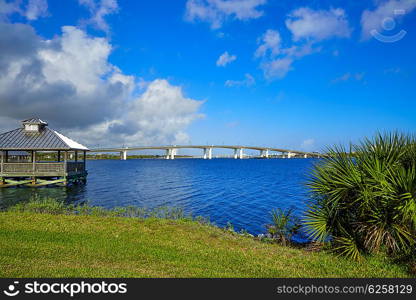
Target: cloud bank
point(69, 81)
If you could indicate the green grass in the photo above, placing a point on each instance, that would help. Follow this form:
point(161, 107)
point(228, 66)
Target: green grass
point(66, 245)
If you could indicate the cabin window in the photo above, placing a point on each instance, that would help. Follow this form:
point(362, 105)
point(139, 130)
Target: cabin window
point(31, 127)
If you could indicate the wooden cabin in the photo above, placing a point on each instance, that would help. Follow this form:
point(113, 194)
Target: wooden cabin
point(36, 155)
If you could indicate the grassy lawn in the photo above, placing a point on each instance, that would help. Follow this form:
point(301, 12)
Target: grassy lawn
point(44, 245)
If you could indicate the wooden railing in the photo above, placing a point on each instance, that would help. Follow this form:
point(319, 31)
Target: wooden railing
point(17, 168)
point(41, 168)
point(75, 167)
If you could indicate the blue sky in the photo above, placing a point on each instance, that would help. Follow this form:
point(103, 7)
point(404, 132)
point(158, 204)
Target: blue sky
point(296, 74)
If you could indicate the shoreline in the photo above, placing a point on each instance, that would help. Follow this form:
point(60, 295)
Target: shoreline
point(49, 241)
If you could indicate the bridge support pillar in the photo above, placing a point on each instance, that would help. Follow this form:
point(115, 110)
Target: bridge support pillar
point(238, 153)
point(305, 156)
point(170, 153)
point(207, 153)
point(123, 155)
point(264, 153)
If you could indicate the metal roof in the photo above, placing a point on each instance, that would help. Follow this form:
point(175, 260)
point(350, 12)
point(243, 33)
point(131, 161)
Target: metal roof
point(19, 153)
point(34, 121)
point(46, 139)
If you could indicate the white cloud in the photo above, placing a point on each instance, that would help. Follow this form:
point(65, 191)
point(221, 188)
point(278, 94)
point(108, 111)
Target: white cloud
point(277, 61)
point(308, 28)
point(216, 12)
point(36, 9)
point(373, 19)
point(301, 50)
point(68, 75)
point(159, 116)
point(225, 59)
point(305, 23)
point(277, 68)
point(31, 11)
point(79, 54)
point(69, 82)
point(269, 43)
point(247, 81)
point(99, 9)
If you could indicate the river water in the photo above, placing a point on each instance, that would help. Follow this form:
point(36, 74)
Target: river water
point(242, 192)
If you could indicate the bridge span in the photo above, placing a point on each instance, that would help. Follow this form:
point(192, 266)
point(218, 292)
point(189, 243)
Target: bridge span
point(171, 151)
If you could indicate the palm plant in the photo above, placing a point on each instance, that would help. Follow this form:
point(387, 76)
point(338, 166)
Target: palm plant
point(284, 225)
point(364, 198)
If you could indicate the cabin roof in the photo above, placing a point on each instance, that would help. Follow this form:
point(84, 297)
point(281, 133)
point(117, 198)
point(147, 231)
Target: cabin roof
point(45, 139)
point(34, 121)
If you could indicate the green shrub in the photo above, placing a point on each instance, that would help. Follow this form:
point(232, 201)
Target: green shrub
point(229, 227)
point(42, 205)
point(364, 198)
point(284, 226)
point(53, 206)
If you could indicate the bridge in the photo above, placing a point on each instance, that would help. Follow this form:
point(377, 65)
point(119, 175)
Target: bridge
point(172, 151)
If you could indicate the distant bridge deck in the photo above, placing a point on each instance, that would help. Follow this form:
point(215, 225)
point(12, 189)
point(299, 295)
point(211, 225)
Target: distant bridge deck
point(171, 150)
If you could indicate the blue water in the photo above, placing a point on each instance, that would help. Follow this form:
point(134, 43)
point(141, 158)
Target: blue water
point(242, 192)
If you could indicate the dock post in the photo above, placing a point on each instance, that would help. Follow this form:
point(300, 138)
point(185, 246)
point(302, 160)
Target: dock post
point(34, 167)
point(1, 167)
point(1, 161)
